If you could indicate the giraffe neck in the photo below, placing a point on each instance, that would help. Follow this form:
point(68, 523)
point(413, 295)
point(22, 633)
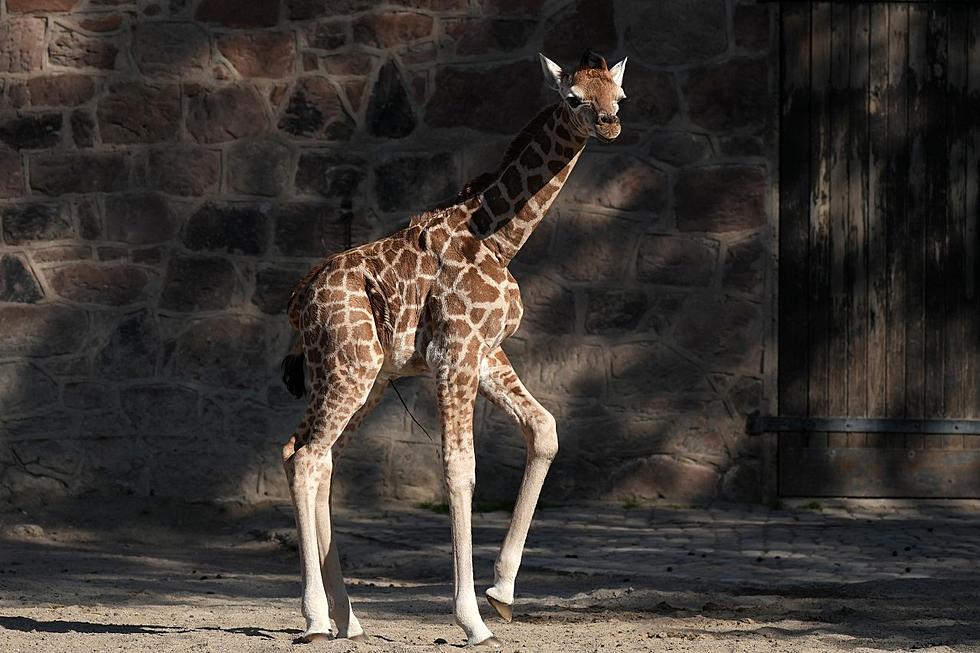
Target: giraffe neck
point(506, 213)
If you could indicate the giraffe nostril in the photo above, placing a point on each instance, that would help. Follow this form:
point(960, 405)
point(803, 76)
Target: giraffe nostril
point(608, 118)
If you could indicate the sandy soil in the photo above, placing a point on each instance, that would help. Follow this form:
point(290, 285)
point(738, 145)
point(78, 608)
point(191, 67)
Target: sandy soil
point(137, 576)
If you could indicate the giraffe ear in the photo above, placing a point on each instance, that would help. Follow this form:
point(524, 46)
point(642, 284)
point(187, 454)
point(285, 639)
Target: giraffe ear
point(552, 72)
point(618, 70)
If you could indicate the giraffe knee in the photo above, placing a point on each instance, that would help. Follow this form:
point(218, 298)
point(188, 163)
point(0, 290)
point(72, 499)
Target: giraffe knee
point(543, 440)
point(288, 450)
point(312, 461)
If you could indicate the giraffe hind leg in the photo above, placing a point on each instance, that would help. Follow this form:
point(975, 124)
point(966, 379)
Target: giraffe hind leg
point(340, 383)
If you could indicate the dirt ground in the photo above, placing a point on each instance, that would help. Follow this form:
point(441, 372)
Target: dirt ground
point(157, 576)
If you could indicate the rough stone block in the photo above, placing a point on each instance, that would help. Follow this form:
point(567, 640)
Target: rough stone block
point(86, 395)
point(328, 35)
point(663, 477)
point(139, 219)
point(329, 174)
point(587, 24)
point(679, 148)
point(348, 64)
point(259, 167)
point(620, 182)
point(720, 199)
point(548, 307)
point(101, 22)
point(314, 111)
point(41, 330)
point(83, 128)
point(480, 36)
point(745, 263)
point(566, 368)
point(232, 228)
point(170, 49)
point(232, 13)
point(21, 44)
point(36, 222)
point(676, 261)
point(259, 54)
point(66, 90)
point(228, 351)
point(31, 131)
point(89, 218)
point(592, 246)
point(742, 483)
point(88, 283)
point(510, 85)
point(273, 287)
point(392, 28)
point(725, 334)
point(615, 311)
point(650, 97)
point(226, 114)
point(729, 95)
point(510, 7)
point(314, 230)
point(133, 112)
point(161, 409)
point(11, 175)
point(73, 49)
point(132, 349)
point(17, 283)
point(415, 182)
point(671, 32)
point(184, 171)
point(27, 388)
point(389, 112)
point(57, 174)
point(751, 24)
point(641, 370)
point(30, 6)
point(198, 284)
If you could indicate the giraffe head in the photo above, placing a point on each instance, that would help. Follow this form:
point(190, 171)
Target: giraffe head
point(592, 91)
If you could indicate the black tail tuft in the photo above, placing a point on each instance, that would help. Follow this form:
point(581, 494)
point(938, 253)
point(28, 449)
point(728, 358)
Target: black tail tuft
point(293, 370)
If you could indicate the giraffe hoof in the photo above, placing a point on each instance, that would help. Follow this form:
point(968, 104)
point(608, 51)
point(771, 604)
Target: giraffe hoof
point(489, 643)
point(360, 639)
point(309, 638)
point(505, 610)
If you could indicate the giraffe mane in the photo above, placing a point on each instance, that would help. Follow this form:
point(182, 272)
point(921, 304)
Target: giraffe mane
point(480, 183)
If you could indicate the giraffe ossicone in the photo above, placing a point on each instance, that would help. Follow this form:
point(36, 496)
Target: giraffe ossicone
point(436, 298)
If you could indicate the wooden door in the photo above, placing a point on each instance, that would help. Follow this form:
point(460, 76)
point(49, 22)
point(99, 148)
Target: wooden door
point(878, 297)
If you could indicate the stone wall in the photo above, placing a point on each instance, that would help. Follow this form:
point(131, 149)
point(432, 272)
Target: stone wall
point(170, 168)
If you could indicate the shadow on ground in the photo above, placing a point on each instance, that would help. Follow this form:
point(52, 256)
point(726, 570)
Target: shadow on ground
point(130, 573)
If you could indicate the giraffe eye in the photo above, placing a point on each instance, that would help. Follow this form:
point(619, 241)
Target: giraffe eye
point(574, 101)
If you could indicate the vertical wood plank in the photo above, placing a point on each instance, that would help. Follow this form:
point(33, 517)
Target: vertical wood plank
point(956, 310)
point(877, 216)
point(971, 252)
point(934, 214)
point(841, 137)
point(794, 193)
point(896, 223)
point(917, 213)
point(819, 218)
point(856, 256)
point(794, 228)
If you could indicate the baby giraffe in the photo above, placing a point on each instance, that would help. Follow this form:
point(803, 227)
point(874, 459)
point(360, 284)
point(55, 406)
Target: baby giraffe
point(436, 298)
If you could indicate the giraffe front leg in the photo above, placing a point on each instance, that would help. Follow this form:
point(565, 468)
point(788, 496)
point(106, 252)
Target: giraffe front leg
point(500, 384)
point(457, 392)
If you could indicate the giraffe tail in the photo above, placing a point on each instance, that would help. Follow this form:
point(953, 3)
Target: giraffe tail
point(294, 371)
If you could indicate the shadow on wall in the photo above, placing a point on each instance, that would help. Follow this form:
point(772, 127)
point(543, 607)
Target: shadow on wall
point(170, 173)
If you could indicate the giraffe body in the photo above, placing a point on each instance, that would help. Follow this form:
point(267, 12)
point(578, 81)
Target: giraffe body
point(436, 298)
